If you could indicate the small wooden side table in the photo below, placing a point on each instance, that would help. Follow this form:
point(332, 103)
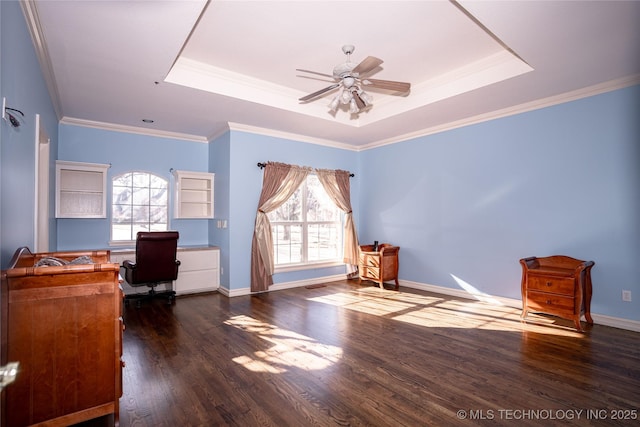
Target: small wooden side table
point(379, 266)
point(558, 285)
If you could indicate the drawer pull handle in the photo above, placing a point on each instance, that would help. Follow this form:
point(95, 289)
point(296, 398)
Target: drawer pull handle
point(548, 283)
point(548, 302)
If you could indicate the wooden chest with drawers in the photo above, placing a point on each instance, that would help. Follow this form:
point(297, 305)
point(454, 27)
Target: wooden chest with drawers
point(558, 285)
point(379, 266)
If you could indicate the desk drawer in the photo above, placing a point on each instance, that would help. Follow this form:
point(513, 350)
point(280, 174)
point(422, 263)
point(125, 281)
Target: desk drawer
point(369, 260)
point(371, 273)
point(554, 285)
point(550, 303)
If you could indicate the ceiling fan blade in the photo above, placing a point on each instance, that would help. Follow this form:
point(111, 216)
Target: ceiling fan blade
point(315, 72)
point(318, 93)
point(401, 87)
point(368, 64)
point(318, 79)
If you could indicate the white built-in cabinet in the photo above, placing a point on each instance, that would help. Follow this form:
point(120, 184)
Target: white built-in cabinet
point(199, 270)
point(81, 190)
point(193, 194)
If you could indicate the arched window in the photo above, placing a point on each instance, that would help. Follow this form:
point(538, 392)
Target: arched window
point(139, 203)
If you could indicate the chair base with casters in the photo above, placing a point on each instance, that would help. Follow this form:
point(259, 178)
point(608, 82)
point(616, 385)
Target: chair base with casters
point(170, 296)
point(155, 263)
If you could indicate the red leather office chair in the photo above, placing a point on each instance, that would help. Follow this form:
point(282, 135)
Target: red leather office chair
point(155, 263)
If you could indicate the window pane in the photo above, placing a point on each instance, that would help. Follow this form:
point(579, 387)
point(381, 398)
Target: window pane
point(158, 214)
point(287, 243)
point(140, 196)
point(291, 210)
point(121, 232)
point(141, 179)
point(122, 180)
point(159, 226)
point(323, 242)
point(120, 214)
point(137, 206)
point(159, 196)
point(320, 207)
point(121, 195)
point(139, 227)
point(157, 182)
point(141, 214)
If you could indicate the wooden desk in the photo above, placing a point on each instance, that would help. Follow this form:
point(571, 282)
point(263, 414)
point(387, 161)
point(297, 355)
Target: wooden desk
point(63, 325)
point(379, 266)
point(557, 285)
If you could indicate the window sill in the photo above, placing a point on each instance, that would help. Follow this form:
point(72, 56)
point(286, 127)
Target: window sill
point(122, 243)
point(310, 266)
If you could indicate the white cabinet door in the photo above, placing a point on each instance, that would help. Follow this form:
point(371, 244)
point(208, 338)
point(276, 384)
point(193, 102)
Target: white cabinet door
point(199, 271)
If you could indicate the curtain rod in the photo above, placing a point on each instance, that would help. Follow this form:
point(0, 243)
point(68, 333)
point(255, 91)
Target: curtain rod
point(263, 165)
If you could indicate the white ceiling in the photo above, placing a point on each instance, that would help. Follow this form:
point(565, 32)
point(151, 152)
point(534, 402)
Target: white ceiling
point(198, 68)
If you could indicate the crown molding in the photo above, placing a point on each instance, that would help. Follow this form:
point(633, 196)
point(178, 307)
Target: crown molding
point(132, 129)
point(291, 136)
point(32, 19)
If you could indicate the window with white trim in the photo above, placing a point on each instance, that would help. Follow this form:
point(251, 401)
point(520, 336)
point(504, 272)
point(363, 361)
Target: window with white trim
point(307, 229)
point(139, 203)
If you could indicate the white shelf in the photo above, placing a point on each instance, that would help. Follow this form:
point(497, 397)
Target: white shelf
point(81, 190)
point(194, 194)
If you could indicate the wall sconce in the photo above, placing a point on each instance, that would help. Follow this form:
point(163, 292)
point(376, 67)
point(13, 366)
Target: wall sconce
point(9, 114)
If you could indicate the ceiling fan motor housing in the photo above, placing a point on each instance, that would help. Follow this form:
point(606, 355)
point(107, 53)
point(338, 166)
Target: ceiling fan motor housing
point(343, 70)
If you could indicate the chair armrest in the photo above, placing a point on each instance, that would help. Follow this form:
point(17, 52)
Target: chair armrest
point(129, 264)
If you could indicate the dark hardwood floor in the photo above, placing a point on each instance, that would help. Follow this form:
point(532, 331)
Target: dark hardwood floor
point(350, 355)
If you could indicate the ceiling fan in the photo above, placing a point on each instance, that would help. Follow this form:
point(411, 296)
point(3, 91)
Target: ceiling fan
point(351, 80)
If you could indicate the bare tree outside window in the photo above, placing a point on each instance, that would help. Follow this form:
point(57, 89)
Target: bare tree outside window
point(139, 203)
point(307, 228)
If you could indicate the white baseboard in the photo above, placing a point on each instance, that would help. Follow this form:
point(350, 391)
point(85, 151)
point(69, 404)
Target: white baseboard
point(600, 319)
point(283, 285)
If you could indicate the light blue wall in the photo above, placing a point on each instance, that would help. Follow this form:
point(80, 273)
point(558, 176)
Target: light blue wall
point(23, 85)
point(464, 205)
point(126, 152)
point(246, 183)
point(219, 154)
point(472, 201)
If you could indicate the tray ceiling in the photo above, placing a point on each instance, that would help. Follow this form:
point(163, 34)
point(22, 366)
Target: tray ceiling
point(198, 68)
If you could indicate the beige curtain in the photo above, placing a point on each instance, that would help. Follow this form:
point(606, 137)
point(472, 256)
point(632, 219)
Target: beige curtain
point(279, 182)
point(336, 184)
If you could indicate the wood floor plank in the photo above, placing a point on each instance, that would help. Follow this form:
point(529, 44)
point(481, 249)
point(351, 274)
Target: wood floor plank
point(355, 355)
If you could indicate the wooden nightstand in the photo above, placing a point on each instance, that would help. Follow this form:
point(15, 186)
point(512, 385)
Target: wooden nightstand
point(379, 266)
point(557, 285)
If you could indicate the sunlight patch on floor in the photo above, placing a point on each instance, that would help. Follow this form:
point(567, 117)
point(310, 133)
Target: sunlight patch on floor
point(371, 301)
point(443, 312)
point(287, 349)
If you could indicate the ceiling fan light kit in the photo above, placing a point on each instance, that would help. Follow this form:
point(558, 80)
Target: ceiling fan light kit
point(350, 79)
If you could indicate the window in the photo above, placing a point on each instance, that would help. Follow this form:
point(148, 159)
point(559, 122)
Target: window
point(307, 228)
point(139, 203)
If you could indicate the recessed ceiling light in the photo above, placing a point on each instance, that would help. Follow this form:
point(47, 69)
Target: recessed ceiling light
point(147, 120)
